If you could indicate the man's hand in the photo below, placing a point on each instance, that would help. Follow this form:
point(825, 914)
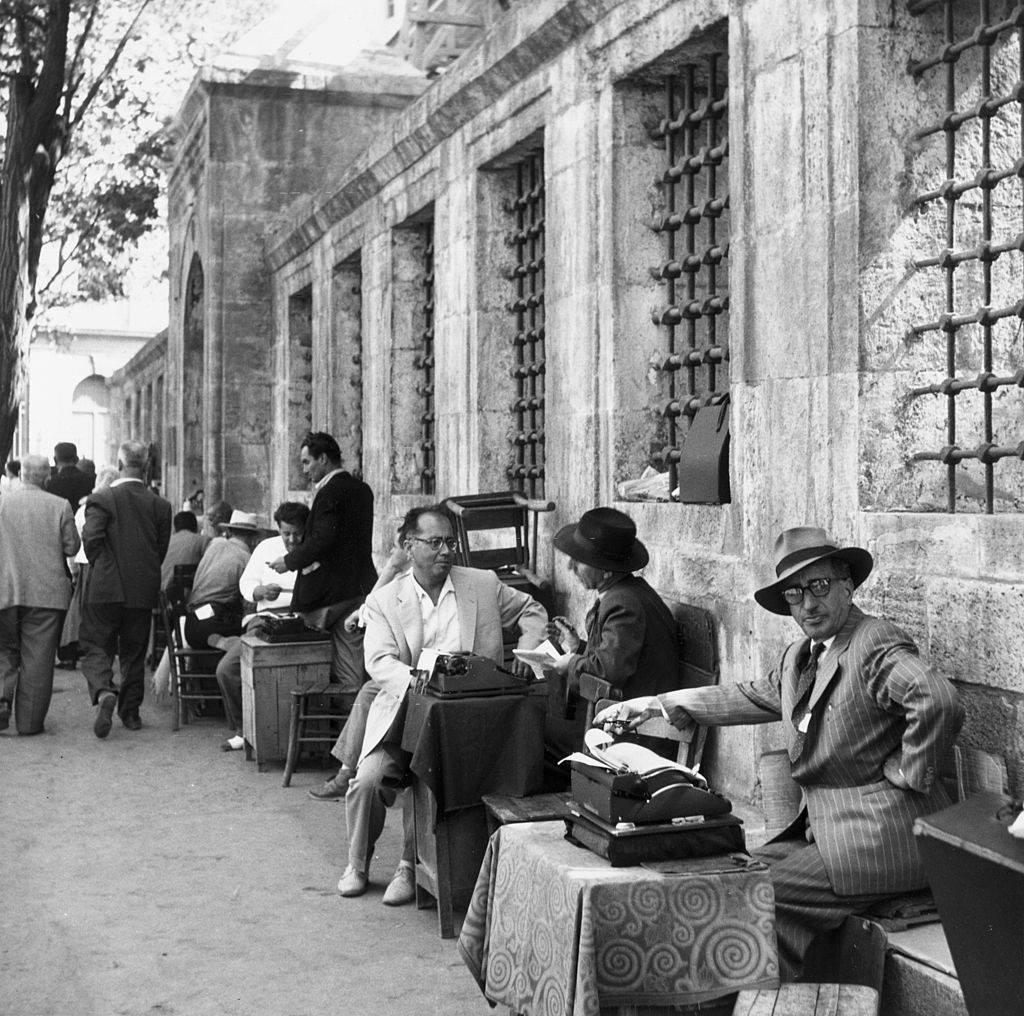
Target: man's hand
point(559, 629)
point(560, 665)
point(893, 773)
point(269, 593)
point(628, 715)
point(279, 566)
point(351, 623)
point(522, 670)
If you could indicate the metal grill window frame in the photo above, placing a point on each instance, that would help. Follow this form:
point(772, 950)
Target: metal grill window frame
point(424, 362)
point(527, 468)
point(986, 35)
point(695, 330)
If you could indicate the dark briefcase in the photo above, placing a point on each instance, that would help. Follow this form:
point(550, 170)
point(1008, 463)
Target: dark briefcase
point(673, 841)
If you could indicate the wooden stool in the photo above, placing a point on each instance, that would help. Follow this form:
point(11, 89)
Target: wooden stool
point(853, 959)
point(503, 809)
point(327, 722)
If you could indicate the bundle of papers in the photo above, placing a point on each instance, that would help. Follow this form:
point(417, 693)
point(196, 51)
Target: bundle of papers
point(603, 752)
point(539, 659)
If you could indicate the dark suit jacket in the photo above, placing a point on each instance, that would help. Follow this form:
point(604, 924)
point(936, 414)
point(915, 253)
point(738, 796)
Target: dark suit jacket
point(338, 537)
point(874, 697)
point(631, 641)
point(127, 529)
point(71, 483)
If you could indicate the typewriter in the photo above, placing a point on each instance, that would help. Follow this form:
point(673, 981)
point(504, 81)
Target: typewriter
point(466, 674)
point(276, 628)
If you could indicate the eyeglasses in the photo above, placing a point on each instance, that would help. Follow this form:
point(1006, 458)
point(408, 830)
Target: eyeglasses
point(435, 543)
point(818, 588)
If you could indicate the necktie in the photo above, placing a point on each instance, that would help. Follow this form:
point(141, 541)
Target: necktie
point(804, 685)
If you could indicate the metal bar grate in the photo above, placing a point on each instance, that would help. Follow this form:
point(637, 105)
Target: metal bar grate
point(526, 471)
point(694, 226)
point(968, 196)
point(424, 362)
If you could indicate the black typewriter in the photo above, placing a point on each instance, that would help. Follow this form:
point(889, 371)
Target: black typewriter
point(466, 674)
point(275, 628)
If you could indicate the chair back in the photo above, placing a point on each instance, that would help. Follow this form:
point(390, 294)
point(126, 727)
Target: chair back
point(506, 515)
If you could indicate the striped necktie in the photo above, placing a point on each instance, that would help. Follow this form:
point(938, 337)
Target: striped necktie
point(804, 685)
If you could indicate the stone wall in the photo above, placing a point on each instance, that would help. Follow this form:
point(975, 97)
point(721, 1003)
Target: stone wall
point(821, 162)
point(251, 143)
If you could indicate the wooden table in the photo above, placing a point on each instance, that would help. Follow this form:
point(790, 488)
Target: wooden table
point(461, 749)
point(269, 673)
point(553, 928)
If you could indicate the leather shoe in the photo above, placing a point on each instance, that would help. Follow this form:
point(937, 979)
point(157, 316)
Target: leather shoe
point(352, 883)
point(401, 889)
point(132, 721)
point(104, 715)
point(334, 789)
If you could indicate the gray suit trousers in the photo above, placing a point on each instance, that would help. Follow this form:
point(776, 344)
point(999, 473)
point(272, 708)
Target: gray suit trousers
point(28, 646)
point(366, 803)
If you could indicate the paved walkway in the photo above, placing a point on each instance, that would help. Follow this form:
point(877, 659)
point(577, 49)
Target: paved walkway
point(153, 874)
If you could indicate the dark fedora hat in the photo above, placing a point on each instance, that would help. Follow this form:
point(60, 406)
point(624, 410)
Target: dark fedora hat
point(801, 546)
point(603, 538)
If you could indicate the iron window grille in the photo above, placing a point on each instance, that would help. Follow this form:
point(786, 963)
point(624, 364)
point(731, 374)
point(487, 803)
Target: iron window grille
point(526, 471)
point(974, 197)
point(694, 227)
point(424, 362)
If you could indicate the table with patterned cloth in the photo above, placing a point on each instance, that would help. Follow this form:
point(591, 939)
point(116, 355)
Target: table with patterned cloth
point(554, 930)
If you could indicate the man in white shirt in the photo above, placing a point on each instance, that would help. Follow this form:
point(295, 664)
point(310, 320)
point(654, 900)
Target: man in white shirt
point(436, 605)
point(270, 591)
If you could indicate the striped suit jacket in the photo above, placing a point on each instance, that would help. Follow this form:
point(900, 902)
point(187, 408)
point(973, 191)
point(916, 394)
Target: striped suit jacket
point(874, 698)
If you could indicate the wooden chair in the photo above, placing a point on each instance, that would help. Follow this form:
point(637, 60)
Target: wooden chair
point(193, 671)
point(315, 719)
point(509, 549)
point(698, 665)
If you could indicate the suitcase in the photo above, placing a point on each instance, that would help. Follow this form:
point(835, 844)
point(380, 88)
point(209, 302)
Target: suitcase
point(629, 844)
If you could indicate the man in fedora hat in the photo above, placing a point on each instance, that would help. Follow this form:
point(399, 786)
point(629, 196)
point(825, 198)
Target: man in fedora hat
point(215, 604)
point(126, 533)
point(631, 635)
point(866, 725)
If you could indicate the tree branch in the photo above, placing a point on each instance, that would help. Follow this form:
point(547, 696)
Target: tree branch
point(71, 84)
point(105, 73)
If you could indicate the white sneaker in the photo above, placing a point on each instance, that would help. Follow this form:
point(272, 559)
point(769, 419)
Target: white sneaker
point(352, 883)
point(402, 888)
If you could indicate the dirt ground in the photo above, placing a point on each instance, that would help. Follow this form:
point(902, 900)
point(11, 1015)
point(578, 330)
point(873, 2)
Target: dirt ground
point(151, 873)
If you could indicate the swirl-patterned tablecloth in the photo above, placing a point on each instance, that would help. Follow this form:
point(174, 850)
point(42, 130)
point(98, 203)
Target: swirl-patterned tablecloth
point(554, 930)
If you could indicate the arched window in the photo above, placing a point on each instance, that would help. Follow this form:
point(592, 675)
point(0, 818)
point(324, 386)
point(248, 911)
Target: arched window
point(90, 410)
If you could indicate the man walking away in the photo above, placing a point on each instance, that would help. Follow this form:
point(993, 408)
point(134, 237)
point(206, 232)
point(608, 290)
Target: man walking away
point(127, 530)
point(68, 480)
point(37, 536)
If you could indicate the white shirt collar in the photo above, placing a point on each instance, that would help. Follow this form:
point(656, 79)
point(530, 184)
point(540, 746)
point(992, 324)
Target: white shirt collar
point(422, 594)
point(324, 480)
point(125, 479)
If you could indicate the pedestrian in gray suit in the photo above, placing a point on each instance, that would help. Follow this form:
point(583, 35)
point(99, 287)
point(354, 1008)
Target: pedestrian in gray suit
point(127, 530)
point(37, 536)
point(866, 726)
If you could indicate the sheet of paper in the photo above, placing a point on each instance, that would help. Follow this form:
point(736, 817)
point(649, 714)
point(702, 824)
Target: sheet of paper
point(204, 613)
point(588, 760)
point(428, 657)
point(539, 658)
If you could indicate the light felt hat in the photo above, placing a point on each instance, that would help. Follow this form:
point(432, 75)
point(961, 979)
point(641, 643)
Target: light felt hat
point(604, 538)
point(799, 547)
point(244, 522)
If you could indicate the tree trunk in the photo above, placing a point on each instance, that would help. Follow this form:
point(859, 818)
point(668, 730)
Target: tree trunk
point(14, 214)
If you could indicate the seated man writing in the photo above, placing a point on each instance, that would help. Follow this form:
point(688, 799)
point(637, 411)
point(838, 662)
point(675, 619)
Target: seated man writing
point(271, 593)
point(631, 635)
point(215, 605)
point(440, 606)
point(866, 725)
